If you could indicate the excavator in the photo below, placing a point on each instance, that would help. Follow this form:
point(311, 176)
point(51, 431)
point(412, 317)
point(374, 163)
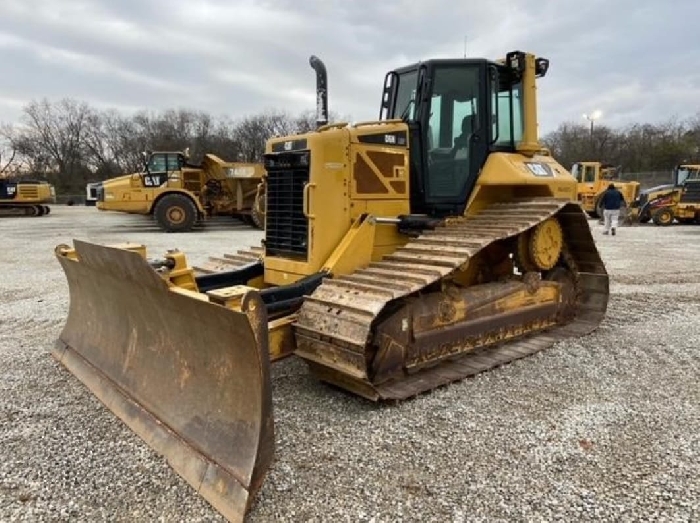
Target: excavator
point(25, 197)
point(399, 255)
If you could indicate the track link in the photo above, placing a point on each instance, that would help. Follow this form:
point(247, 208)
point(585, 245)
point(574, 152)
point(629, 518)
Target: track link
point(335, 324)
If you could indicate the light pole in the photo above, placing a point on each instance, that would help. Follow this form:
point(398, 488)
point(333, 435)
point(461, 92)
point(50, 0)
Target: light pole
point(592, 118)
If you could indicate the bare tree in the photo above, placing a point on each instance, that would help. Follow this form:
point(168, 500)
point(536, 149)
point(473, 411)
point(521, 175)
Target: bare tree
point(636, 148)
point(56, 132)
point(8, 153)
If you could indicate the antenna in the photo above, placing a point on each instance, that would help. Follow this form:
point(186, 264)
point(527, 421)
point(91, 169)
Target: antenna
point(465, 46)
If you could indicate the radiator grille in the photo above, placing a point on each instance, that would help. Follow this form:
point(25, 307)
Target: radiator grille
point(28, 191)
point(286, 227)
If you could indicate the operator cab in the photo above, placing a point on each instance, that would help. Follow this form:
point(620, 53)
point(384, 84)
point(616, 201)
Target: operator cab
point(590, 172)
point(683, 173)
point(584, 173)
point(158, 167)
point(165, 162)
point(458, 111)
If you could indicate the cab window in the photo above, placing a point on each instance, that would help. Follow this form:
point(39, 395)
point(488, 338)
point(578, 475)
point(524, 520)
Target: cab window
point(577, 172)
point(161, 163)
point(589, 174)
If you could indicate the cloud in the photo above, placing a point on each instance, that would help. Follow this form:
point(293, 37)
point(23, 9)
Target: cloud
point(633, 60)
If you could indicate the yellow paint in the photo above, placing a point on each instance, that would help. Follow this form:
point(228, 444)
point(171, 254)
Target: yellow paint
point(337, 193)
point(355, 249)
point(230, 297)
point(530, 144)
point(36, 193)
point(506, 176)
point(281, 337)
point(546, 243)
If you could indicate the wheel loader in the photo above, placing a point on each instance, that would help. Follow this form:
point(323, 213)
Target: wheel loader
point(25, 197)
point(399, 255)
point(593, 178)
point(179, 194)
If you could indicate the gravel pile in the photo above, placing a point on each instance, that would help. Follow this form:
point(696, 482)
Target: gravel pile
point(602, 427)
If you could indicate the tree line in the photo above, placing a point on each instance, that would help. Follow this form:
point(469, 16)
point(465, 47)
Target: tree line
point(71, 143)
point(637, 148)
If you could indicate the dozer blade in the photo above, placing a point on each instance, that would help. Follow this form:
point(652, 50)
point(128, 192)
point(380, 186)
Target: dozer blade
point(190, 377)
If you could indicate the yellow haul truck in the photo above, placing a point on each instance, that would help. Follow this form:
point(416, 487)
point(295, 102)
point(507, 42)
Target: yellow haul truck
point(179, 194)
point(401, 254)
point(25, 197)
point(593, 178)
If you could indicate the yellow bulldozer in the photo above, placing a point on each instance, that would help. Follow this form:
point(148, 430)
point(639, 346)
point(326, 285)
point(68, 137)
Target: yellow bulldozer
point(179, 194)
point(400, 255)
point(593, 178)
point(678, 201)
point(25, 197)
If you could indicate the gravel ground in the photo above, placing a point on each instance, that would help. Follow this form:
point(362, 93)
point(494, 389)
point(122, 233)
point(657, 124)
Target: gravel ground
point(604, 427)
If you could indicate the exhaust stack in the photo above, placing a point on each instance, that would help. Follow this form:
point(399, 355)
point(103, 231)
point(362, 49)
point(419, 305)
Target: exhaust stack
point(321, 91)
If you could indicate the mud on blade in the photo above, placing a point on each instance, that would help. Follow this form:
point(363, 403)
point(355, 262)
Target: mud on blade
point(191, 378)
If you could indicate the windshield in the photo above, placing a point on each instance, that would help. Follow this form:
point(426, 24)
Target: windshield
point(687, 173)
point(161, 163)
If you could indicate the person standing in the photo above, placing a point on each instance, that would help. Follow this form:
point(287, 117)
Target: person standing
point(612, 202)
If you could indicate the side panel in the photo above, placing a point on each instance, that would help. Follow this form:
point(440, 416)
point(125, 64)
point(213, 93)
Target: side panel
point(291, 199)
point(351, 171)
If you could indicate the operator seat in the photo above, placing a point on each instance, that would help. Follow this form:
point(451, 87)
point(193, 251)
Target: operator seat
point(460, 150)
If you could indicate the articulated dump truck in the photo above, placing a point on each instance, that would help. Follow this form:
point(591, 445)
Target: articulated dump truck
point(180, 195)
point(400, 255)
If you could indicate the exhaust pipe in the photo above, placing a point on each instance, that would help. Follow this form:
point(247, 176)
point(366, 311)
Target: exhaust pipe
point(321, 91)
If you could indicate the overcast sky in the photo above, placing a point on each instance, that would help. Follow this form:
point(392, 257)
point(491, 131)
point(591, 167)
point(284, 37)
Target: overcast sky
point(635, 60)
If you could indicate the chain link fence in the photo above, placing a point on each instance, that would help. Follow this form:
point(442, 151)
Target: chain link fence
point(648, 179)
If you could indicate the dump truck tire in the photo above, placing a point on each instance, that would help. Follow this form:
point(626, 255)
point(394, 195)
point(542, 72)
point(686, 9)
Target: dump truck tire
point(598, 208)
point(175, 213)
point(257, 213)
point(257, 219)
